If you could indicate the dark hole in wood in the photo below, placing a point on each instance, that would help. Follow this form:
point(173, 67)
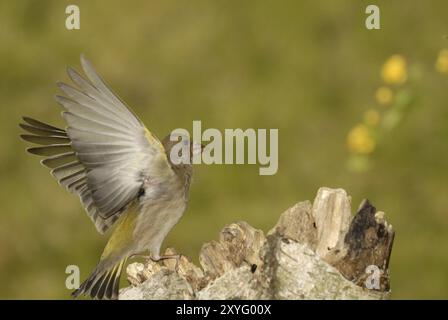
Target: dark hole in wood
point(253, 268)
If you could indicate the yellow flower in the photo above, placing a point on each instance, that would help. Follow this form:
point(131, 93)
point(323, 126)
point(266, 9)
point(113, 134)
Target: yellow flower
point(360, 140)
point(394, 70)
point(442, 61)
point(384, 95)
point(371, 117)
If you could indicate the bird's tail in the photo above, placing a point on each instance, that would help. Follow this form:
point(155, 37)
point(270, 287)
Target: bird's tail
point(103, 283)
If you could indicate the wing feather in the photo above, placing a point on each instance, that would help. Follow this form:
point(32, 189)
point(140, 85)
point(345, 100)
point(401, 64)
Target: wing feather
point(59, 160)
point(42, 132)
point(41, 125)
point(105, 153)
point(45, 140)
point(51, 150)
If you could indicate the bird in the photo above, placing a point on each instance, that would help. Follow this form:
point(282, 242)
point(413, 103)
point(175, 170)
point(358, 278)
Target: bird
point(123, 174)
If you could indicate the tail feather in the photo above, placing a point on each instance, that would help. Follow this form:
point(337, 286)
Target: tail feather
point(103, 283)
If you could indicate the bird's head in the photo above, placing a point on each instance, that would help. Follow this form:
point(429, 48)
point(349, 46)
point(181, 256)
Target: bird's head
point(180, 151)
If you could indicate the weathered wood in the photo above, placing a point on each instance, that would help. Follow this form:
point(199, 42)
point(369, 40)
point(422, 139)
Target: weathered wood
point(368, 242)
point(314, 252)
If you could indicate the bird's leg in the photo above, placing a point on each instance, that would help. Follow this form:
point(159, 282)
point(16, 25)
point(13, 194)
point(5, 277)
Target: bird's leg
point(146, 257)
point(160, 258)
point(169, 256)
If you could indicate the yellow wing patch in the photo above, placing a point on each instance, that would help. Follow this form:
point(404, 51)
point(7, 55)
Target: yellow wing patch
point(153, 140)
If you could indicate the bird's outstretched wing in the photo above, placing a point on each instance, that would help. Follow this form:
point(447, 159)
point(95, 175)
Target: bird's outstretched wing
point(104, 155)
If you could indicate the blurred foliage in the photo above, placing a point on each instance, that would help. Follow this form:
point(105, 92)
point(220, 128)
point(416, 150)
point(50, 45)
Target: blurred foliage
point(309, 69)
point(377, 124)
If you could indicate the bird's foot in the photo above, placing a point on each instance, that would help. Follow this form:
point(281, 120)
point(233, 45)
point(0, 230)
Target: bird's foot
point(142, 256)
point(169, 256)
point(150, 258)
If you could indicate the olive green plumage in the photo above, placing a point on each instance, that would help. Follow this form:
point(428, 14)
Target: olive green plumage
point(121, 172)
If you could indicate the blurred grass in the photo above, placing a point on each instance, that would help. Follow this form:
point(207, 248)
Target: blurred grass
point(309, 69)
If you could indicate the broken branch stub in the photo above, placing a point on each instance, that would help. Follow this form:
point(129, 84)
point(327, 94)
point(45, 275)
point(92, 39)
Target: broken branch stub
point(315, 251)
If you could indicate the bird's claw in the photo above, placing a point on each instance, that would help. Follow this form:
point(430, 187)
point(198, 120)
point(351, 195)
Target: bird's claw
point(170, 256)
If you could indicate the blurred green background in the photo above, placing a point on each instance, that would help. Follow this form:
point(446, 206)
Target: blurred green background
point(308, 68)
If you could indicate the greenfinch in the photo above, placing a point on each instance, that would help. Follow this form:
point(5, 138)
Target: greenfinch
point(122, 173)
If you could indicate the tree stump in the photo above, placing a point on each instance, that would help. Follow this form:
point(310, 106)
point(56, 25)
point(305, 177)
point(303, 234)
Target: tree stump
point(315, 251)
